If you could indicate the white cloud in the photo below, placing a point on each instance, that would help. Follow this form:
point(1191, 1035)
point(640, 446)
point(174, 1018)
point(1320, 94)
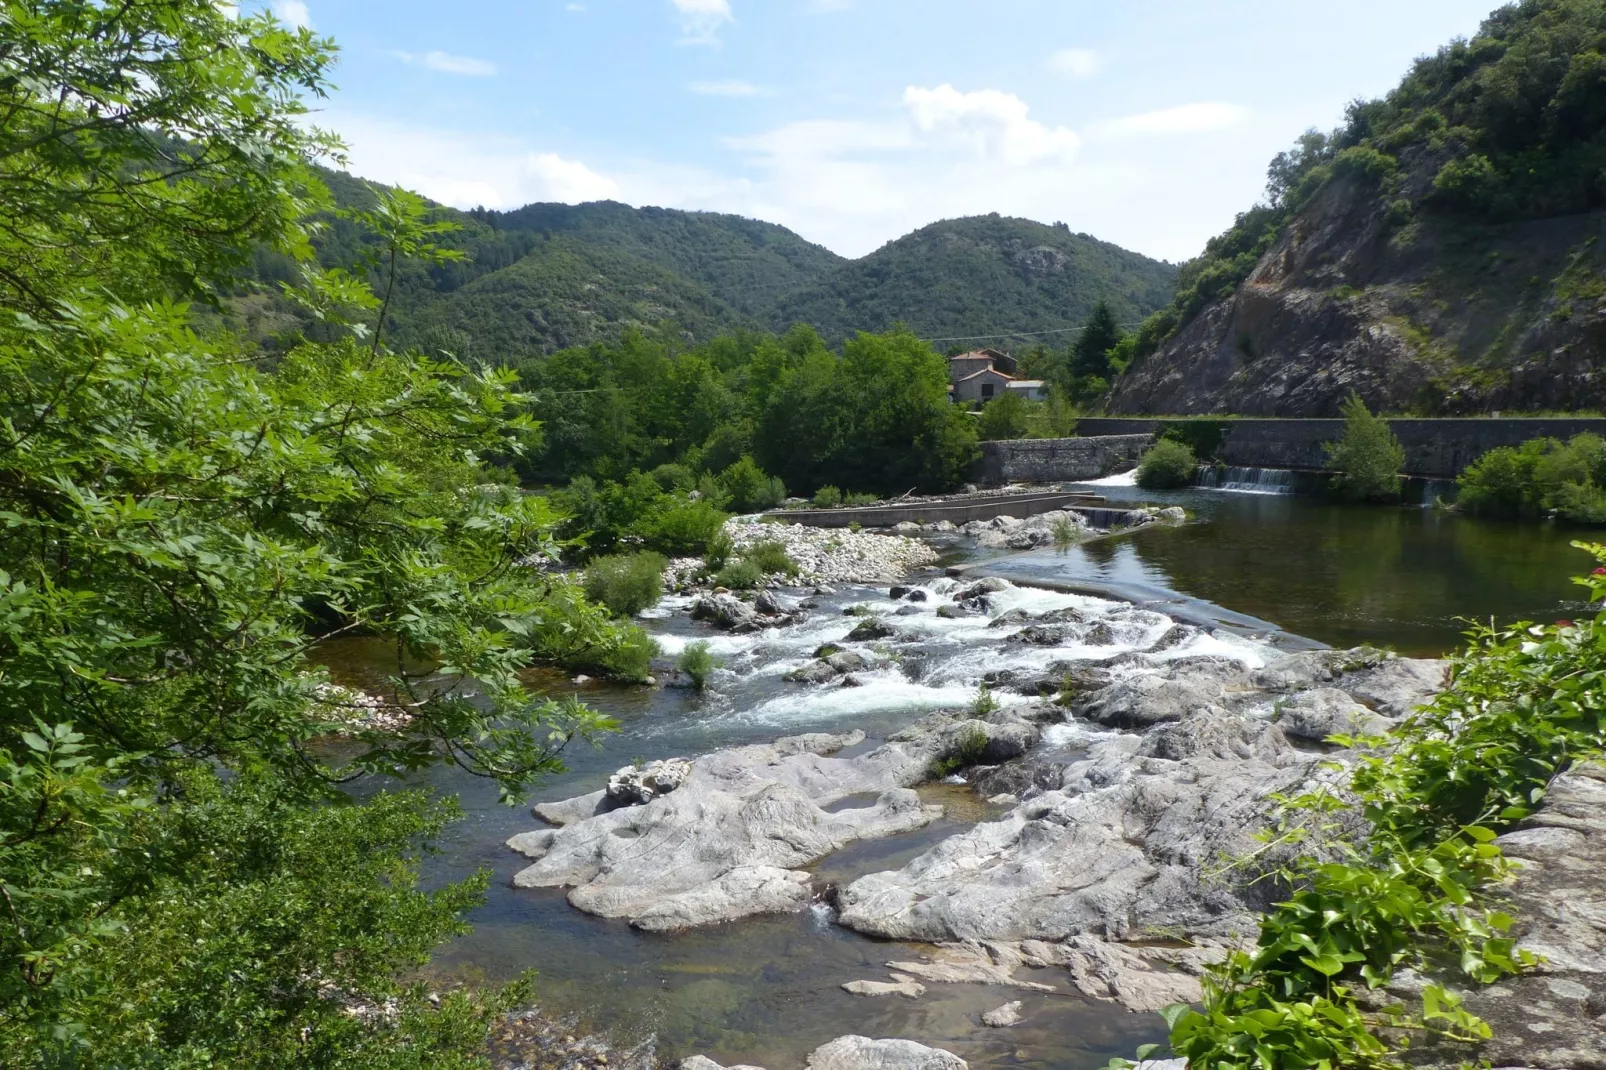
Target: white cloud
point(700, 20)
point(292, 12)
point(1198, 118)
point(464, 170)
point(574, 7)
point(447, 63)
point(734, 87)
point(1076, 62)
point(996, 126)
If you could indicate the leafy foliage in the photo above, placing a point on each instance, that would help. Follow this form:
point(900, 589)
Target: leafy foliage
point(1168, 463)
point(1368, 458)
point(626, 583)
point(1541, 475)
point(180, 529)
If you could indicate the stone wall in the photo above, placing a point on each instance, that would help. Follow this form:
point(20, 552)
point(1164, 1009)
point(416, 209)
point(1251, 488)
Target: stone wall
point(1054, 460)
point(1436, 449)
point(959, 511)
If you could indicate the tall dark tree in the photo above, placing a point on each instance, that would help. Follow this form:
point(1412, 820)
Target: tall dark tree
point(1090, 354)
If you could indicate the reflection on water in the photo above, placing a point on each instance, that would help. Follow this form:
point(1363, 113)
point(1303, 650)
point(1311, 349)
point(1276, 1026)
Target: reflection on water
point(1344, 575)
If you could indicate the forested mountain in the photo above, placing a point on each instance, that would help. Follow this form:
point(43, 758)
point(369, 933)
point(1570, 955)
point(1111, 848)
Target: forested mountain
point(986, 273)
point(1439, 253)
point(547, 277)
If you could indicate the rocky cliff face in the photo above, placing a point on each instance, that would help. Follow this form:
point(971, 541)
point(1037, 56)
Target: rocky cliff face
point(1426, 315)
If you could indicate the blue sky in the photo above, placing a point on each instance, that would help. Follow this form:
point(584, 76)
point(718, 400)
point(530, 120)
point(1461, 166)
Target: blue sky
point(1146, 122)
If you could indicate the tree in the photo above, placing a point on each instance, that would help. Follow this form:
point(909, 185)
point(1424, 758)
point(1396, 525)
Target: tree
point(1090, 354)
point(1368, 458)
point(1005, 417)
point(183, 528)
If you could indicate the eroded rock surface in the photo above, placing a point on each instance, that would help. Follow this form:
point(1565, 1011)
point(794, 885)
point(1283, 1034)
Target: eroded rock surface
point(731, 839)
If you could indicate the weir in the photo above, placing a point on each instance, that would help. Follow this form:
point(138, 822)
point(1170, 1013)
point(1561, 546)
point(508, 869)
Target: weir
point(1248, 480)
point(958, 511)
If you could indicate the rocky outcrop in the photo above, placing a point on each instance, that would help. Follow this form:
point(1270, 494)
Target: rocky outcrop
point(1554, 1016)
point(858, 1053)
point(1115, 872)
point(731, 838)
point(1430, 316)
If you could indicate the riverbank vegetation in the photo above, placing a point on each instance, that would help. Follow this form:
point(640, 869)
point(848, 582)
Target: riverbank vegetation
point(185, 876)
point(1415, 884)
point(1367, 458)
point(1543, 476)
point(1166, 465)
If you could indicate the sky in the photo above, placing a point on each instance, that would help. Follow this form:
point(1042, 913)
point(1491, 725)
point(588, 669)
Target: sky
point(1147, 123)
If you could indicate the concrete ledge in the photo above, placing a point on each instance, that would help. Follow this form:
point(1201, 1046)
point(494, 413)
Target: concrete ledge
point(1436, 449)
point(958, 512)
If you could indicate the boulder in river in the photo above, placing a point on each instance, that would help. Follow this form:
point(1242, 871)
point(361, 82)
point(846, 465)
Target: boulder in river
point(725, 611)
point(637, 784)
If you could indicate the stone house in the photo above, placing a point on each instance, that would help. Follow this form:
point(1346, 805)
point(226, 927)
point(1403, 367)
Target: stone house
point(984, 374)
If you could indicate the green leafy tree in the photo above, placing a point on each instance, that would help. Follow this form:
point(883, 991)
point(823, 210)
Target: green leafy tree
point(1368, 458)
point(1007, 416)
point(1167, 464)
point(181, 529)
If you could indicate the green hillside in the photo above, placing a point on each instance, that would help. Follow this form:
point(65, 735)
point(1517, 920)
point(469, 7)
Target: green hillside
point(985, 273)
point(550, 276)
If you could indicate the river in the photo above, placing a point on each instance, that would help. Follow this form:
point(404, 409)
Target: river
point(1276, 571)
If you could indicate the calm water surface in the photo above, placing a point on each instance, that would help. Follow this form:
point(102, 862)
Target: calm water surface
point(765, 990)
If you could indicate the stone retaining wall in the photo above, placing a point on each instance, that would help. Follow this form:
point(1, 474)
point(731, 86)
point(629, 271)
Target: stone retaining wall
point(1053, 460)
point(960, 511)
point(1436, 449)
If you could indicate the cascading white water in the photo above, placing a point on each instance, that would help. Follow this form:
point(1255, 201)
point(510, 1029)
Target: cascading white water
point(1248, 480)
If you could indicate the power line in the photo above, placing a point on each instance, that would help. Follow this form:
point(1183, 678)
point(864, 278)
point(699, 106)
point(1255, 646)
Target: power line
point(1021, 334)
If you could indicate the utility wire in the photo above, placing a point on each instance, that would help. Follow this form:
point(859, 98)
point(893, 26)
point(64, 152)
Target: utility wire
point(1021, 334)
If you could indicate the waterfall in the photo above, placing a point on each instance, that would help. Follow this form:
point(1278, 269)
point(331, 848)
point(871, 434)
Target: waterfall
point(1248, 480)
point(1435, 490)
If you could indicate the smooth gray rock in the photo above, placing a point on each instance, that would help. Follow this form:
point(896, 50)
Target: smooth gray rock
point(1143, 701)
point(732, 838)
point(862, 1053)
point(1003, 1017)
point(1552, 1017)
point(908, 989)
point(1326, 711)
point(725, 611)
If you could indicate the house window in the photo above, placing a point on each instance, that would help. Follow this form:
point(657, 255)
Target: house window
point(986, 391)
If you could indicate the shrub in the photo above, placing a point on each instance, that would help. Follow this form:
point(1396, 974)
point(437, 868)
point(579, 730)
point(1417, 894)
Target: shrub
point(626, 583)
point(1007, 416)
point(1501, 483)
point(1541, 475)
point(679, 526)
point(769, 558)
point(827, 498)
point(698, 663)
point(739, 575)
point(717, 550)
point(749, 488)
point(859, 498)
point(970, 748)
point(984, 703)
point(1368, 458)
point(674, 477)
point(1168, 463)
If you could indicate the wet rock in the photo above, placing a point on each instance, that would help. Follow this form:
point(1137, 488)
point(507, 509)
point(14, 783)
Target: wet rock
point(771, 604)
point(1039, 635)
point(725, 611)
point(852, 681)
point(703, 1062)
point(635, 785)
point(731, 839)
point(1171, 638)
point(862, 1053)
point(954, 612)
point(1127, 846)
point(1003, 1017)
point(906, 527)
point(981, 589)
point(818, 671)
point(906, 989)
point(942, 527)
point(1142, 701)
point(1012, 619)
point(870, 630)
point(898, 592)
point(1326, 711)
point(844, 661)
point(907, 611)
